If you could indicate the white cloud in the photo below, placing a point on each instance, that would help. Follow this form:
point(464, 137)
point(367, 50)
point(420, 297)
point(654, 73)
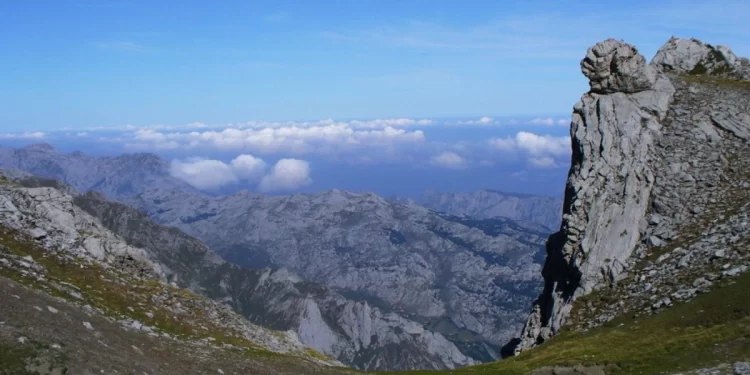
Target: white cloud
point(543, 121)
point(486, 120)
point(543, 161)
point(248, 167)
point(208, 174)
point(287, 174)
point(543, 144)
point(503, 144)
point(549, 121)
point(354, 124)
point(203, 174)
point(448, 160)
point(540, 150)
point(291, 139)
point(24, 135)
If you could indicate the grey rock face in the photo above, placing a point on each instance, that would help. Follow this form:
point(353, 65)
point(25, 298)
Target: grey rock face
point(614, 127)
point(486, 204)
point(702, 219)
point(613, 66)
point(661, 171)
point(464, 277)
point(695, 57)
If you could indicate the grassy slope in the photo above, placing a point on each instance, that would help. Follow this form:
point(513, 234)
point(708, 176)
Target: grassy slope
point(711, 329)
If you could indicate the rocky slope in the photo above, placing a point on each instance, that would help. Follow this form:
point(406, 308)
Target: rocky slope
point(48, 243)
point(471, 280)
point(656, 201)
point(486, 204)
point(354, 332)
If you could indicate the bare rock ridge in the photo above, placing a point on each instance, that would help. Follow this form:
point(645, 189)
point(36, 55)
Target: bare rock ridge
point(650, 144)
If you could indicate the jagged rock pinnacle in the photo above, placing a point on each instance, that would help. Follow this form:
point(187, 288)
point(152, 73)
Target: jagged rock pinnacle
point(613, 130)
point(650, 145)
point(615, 66)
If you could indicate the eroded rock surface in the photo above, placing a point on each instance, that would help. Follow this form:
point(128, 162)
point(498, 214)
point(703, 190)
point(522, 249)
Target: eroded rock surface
point(659, 160)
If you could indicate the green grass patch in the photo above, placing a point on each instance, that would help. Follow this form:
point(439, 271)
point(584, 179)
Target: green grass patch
point(715, 80)
point(316, 354)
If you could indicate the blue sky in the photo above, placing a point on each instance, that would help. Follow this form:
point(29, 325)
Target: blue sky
point(77, 63)
point(493, 82)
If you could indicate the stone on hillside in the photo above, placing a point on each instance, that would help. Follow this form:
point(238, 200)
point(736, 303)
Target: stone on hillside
point(742, 368)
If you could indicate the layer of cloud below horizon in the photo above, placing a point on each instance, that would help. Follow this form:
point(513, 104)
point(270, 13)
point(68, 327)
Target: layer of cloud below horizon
point(209, 174)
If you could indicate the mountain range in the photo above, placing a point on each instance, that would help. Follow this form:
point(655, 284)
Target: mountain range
point(465, 279)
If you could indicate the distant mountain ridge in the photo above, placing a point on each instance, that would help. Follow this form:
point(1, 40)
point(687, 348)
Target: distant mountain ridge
point(485, 204)
point(113, 176)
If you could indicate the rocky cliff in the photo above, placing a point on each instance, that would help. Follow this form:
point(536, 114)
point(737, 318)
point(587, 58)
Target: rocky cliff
point(656, 199)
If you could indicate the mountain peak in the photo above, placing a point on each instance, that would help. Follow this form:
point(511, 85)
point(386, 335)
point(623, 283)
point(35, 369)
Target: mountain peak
point(41, 146)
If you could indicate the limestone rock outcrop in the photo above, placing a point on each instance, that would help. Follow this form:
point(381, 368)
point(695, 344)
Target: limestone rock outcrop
point(614, 128)
point(657, 200)
point(613, 66)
